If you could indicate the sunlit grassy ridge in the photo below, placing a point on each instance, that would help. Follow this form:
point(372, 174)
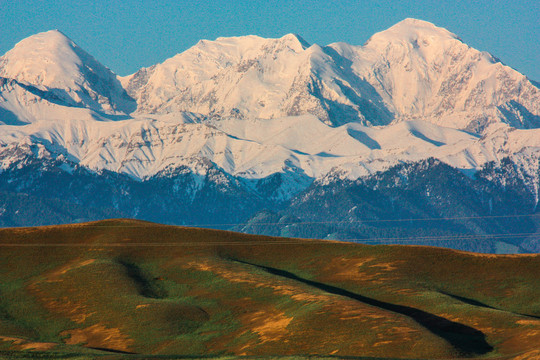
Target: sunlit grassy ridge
point(116, 288)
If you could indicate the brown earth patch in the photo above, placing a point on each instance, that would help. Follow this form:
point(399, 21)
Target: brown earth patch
point(269, 325)
point(352, 275)
point(76, 312)
point(347, 269)
point(405, 291)
point(387, 266)
point(99, 336)
point(403, 333)
point(519, 342)
point(14, 340)
point(528, 322)
point(55, 275)
point(353, 310)
point(22, 344)
point(532, 333)
point(354, 269)
point(239, 275)
point(531, 355)
point(383, 343)
point(38, 346)
point(348, 309)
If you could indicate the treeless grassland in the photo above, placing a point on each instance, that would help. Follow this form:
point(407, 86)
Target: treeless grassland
point(124, 288)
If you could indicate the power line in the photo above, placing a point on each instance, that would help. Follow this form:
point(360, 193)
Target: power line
point(343, 222)
point(375, 220)
point(284, 241)
point(450, 237)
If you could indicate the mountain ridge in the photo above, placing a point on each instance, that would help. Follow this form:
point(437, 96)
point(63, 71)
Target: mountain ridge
point(53, 61)
point(264, 118)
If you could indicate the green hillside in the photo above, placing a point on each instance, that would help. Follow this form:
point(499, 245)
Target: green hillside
point(131, 289)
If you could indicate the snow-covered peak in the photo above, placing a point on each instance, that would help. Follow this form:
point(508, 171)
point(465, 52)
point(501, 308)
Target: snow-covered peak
point(49, 58)
point(295, 42)
point(253, 42)
point(255, 107)
point(411, 29)
point(254, 77)
point(226, 51)
point(52, 61)
point(413, 70)
point(422, 71)
point(413, 35)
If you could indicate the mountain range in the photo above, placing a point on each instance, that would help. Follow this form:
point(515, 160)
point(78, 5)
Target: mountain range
point(278, 136)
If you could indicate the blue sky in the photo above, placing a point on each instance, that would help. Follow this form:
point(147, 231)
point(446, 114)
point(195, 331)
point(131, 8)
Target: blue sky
point(126, 35)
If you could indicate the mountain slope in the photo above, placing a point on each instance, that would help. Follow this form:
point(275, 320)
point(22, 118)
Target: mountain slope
point(240, 86)
point(259, 123)
point(425, 72)
point(414, 70)
point(185, 292)
point(252, 77)
point(426, 202)
point(54, 63)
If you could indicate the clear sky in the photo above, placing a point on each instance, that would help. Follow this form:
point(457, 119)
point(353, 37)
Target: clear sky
point(126, 35)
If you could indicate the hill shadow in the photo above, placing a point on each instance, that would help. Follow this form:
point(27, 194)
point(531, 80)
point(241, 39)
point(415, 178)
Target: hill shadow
point(9, 118)
point(467, 341)
point(477, 303)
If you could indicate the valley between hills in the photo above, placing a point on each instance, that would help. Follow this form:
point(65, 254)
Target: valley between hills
point(120, 289)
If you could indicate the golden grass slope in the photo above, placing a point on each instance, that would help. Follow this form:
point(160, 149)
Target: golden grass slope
point(117, 288)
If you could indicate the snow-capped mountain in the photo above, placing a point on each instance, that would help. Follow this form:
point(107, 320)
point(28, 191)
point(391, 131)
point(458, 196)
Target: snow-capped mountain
point(53, 63)
point(252, 77)
point(414, 70)
point(264, 117)
point(256, 107)
point(425, 72)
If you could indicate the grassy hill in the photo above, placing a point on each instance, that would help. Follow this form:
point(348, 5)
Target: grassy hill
point(131, 289)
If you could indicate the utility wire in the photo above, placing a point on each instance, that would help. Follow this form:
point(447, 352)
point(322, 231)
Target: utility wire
point(284, 241)
point(339, 222)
